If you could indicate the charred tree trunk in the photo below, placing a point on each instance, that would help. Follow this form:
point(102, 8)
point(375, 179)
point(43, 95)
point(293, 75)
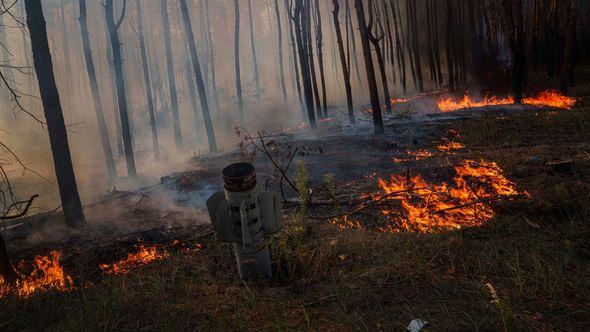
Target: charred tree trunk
point(294, 56)
point(515, 25)
point(113, 28)
point(194, 104)
point(188, 30)
point(350, 32)
point(299, 21)
point(413, 15)
point(450, 45)
point(376, 41)
point(171, 74)
point(212, 59)
point(370, 69)
point(258, 92)
point(7, 270)
point(65, 45)
point(58, 138)
point(109, 56)
point(568, 55)
point(401, 58)
point(307, 31)
point(320, 46)
point(280, 54)
point(98, 109)
point(147, 81)
point(237, 61)
point(344, 62)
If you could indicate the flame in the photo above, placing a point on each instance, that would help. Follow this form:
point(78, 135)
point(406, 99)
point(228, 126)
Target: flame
point(546, 98)
point(144, 255)
point(450, 146)
point(415, 156)
point(464, 202)
point(47, 274)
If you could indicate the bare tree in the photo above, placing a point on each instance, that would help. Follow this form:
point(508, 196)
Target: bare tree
point(258, 92)
point(344, 62)
point(280, 55)
point(58, 138)
point(237, 61)
point(370, 69)
point(98, 108)
point(212, 58)
point(113, 28)
point(301, 27)
point(147, 80)
point(171, 74)
point(188, 30)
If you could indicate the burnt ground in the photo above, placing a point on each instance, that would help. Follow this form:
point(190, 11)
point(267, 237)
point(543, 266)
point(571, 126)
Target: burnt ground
point(535, 255)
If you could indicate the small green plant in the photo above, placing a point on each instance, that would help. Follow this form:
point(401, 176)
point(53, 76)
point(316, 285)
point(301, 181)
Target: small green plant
point(329, 180)
point(302, 184)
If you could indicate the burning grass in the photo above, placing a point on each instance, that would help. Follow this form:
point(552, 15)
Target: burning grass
point(143, 256)
point(544, 99)
point(425, 207)
point(47, 274)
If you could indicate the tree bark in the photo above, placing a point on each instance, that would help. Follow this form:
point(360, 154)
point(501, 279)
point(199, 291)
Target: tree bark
point(370, 69)
point(171, 74)
point(147, 80)
point(188, 30)
point(58, 138)
point(113, 28)
point(98, 109)
point(344, 62)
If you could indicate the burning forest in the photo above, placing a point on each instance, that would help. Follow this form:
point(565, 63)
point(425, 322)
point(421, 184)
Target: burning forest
point(295, 165)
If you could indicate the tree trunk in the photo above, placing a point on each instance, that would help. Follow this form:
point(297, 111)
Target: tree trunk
point(194, 104)
point(294, 58)
point(568, 54)
point(450, 45)
point(98, 109)
point(299, 20)
point(199, 77)
point(118, 130)
point(320, 45)
point(113, 28)
point(171, 74)
point(7, 270)
point(237, 61)
point(350, 31)
point(307, 32)
point(370, 69)
point(258, 92)
point(147, 81)
point(212, 59)
point(344, 62)
point(376, 41)
point(65, 47)
point(281, 64)
point(401, 58)
point(58, 138)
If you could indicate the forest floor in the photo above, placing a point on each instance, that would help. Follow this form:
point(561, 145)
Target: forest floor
point(526, 268)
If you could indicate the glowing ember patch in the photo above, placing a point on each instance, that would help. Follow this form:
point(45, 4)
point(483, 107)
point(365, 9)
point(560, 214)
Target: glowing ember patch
point(415, 156)
point(450, 146)
point(47, 275)
point(465, 202)
point(144, 255)
point(546, 98)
